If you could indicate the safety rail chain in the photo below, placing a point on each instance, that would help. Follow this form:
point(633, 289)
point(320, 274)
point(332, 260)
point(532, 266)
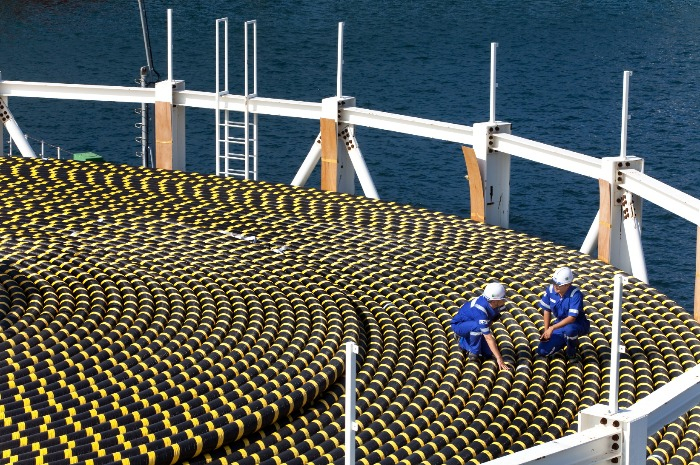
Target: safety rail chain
point(604, 435)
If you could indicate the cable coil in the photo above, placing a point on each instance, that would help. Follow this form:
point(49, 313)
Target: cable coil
point(139, 325)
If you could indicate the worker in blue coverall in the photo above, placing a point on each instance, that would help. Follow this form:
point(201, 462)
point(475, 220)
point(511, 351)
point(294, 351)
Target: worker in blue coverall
point(472, 324)
point(564, 318)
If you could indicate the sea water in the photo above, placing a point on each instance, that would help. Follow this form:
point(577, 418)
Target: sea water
point(560, 72)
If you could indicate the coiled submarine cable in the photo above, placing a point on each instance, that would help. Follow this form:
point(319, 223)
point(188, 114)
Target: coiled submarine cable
point(156, 317)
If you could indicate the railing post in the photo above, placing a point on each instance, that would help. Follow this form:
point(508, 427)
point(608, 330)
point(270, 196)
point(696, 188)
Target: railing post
point(493, 84)
point(494, 167)
point(615, 344)
point(339, 83)
point(170, 119)
point(351, 351)
point(625, 114)
point(619, 218)
point(170, 127)
point(337, 172)
point(696, 306)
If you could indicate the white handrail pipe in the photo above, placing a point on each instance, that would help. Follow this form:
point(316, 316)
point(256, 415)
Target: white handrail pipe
point(494, 84)
point(625, 115)
point(252, 23)
point(615, 345)
point(339, 87)
point(255, 60)
point(170, 44)
point(225, 53)
point(351, 351)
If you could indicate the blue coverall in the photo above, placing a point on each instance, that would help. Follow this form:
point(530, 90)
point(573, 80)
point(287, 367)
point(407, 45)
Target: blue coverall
point(571, 304)
point(471, 324)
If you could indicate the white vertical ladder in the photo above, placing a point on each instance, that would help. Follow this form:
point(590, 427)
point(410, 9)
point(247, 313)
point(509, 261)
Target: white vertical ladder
point(236, 141)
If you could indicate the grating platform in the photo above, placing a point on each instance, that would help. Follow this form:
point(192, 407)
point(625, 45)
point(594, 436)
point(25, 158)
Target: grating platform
point(152, 317)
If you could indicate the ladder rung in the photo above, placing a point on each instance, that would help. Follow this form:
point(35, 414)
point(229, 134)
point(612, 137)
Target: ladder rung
point(236, 142)
point(233, 124)
point(236, 173)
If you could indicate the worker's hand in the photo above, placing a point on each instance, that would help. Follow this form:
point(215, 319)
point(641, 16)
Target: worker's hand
point(502, 365)
point(547, 334)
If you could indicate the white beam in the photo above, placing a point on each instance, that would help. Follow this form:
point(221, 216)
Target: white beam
point(190, 98)
point(77, 92)
point(670, 401)
point(591, 240)
point(592, 446)
point(450, 132)
point(548, 155)
point(663, 195)
point(256, 105)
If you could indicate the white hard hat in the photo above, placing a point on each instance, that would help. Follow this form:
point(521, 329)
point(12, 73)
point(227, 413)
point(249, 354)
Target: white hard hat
point(495, 291)
point(563, 275)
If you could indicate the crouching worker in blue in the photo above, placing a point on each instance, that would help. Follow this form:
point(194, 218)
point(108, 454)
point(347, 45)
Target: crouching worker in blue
point(473, 320)
point(564, 302)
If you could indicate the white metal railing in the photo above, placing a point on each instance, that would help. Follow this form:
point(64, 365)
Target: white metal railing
point(677, 202)
point(46, 150)
point(548, 155)
point(657, 192)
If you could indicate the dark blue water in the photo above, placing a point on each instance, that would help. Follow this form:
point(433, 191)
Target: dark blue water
point(560, 68)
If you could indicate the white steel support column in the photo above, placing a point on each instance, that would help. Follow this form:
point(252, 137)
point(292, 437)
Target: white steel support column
point(615, 345)
point(633, 236)
point(310, 162)
point(591, 240)
point(14, 130)
point(623, 247)
point(170, 127)
point(337, 172)
point(351, 351)
point(358, 162)
point(495, 172)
